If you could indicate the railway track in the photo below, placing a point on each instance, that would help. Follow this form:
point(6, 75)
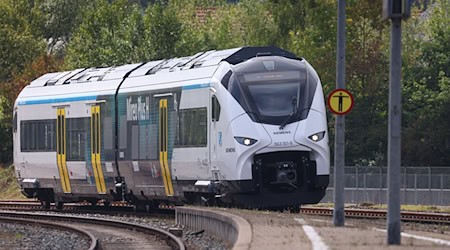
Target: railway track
point(122, 208)
point(115, 208)
point(381, 214)
point(111, 234)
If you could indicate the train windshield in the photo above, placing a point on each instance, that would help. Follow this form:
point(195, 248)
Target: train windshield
point(279, 101)
point(278, 94)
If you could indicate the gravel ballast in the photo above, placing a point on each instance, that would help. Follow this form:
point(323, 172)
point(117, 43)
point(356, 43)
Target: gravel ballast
point(21, 236)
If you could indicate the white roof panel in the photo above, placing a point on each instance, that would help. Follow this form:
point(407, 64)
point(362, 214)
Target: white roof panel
point(145, 68)
point(179, 78)
point(120, 71)
point(41, 81)
point(64, 78)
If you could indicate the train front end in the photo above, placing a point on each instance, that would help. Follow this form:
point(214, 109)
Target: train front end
point(276, 146)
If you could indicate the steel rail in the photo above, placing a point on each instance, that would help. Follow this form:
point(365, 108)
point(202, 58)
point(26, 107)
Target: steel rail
point(381, 214)
point(15, 220)
point(80, 207)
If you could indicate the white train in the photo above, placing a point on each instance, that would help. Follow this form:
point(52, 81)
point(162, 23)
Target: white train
point(245, 126)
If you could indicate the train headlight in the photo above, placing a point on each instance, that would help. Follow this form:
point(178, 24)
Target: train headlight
point(245, 141)
point(317, 136)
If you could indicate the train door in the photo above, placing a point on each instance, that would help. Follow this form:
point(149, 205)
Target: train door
point(96, 149)
point(61, 150)
point(192, 152)
point(163, 144)
point(215, 137)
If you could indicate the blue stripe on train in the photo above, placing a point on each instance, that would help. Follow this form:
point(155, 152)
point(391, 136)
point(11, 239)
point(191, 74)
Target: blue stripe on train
point(58, 100)
point(91, 98)
point(196, 86)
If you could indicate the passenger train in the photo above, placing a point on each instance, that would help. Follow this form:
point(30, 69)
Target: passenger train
point(244, 127)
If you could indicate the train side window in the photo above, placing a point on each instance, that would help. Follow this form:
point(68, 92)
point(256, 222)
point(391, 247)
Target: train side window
point(40, 136)
point(32, 136)
point(47, 139)
point(226, 79)
point(50, 138)
point(37, 136)
point(215, 109)
point(192, 128)
point(24, 136)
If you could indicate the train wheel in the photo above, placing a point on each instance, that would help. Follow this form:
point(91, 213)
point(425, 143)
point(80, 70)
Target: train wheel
point(294, 209)
point(59, 205)
point(93, 202)
point(45, 204)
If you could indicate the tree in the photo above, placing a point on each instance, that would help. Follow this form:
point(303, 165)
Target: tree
point(247, 23)
point(194, 36)
point(57, 21)
point(290, 16)
point(367, 77)
point(253, 24)
point(110, 34)
point(162, 32)
point(18, 43)
point(426, 137)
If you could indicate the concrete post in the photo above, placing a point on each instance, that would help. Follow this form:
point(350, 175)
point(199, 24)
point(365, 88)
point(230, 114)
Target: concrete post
point(394, 139)
point(339, 140)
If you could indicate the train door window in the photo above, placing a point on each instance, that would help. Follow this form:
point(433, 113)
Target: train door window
point(135, 142)
point(15, 122)
point(76, 138)
point(215, 109)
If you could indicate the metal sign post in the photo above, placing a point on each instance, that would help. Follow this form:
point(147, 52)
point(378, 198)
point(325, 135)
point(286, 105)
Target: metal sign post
point(339, 139)
point(396, 10)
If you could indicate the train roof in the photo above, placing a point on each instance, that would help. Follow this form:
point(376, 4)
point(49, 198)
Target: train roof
point(199, 60)
point(107, 79)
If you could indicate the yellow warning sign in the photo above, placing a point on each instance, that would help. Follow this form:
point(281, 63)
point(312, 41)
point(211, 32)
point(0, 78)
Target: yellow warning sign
point(340, 101)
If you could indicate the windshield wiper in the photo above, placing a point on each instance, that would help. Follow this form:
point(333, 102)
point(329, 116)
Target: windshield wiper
point(292, 114)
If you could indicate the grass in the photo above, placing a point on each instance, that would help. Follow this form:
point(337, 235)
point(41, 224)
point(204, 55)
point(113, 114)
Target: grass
point(8, 184)
point(416, 208)
point(410, 208)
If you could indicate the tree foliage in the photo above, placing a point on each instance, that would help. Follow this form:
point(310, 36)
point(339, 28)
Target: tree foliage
point(426, 89)
point(367, 77)
point(58, 20)
point(110, 34)
point(162, 31)
point(18, 43)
